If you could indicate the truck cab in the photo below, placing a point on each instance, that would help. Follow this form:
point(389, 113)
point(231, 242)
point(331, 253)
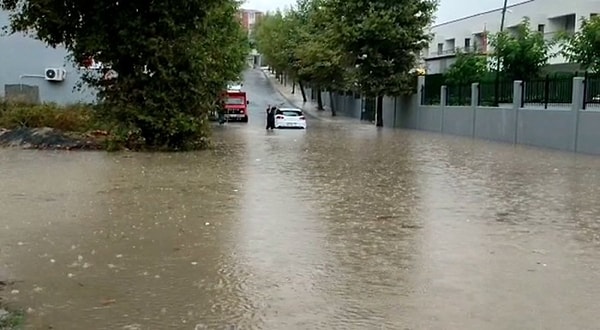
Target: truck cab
point(236, 106)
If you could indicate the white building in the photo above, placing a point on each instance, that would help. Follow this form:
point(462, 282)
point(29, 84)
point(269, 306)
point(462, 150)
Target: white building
point(470, 34)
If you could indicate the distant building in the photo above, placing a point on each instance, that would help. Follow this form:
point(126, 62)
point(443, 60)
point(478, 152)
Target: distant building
point(249, 17)
point(470, 34)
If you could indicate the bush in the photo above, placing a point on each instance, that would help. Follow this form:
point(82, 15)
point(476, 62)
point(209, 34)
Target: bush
point(72, 118)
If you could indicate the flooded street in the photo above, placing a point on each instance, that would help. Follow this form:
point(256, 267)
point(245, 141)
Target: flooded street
point(341, 226)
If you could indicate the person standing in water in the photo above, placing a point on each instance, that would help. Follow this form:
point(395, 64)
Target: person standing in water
point(271, 117)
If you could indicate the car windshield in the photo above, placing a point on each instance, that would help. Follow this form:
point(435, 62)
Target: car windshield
point(289, 113)
point(235, 100)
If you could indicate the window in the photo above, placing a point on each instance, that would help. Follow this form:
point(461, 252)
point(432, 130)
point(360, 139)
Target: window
point(440, 49)
point(289, 113)
point(235, 101)
point(592, 15)
point(467, 43)
point(541, 28)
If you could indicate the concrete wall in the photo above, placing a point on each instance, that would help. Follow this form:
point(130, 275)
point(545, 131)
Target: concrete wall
point(588, 132)
point(22, 63)
point(569, 128)
point(345, 105)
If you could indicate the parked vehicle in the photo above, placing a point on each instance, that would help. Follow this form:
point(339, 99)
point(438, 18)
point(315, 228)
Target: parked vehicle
point(236, 106)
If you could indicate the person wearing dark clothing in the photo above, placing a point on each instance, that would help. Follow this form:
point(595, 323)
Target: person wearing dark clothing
point(221, 112)
point(271, 117)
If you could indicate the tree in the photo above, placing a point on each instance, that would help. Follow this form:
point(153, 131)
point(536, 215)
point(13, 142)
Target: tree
point(276, 39)
point(172, 58)
point(382, 40)
point(584, 46)
point(468, 68)
point(319, 60)
point(523, 53)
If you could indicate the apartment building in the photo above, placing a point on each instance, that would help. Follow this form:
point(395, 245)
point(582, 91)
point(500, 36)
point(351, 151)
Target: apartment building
point(471, 34)
point(249, 17)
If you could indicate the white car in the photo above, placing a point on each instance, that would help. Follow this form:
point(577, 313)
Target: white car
point(290, 118)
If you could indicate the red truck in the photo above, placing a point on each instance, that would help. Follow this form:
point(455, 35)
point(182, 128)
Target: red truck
point(236, 106)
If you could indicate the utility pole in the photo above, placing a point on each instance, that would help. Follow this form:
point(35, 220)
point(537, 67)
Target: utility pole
point(497, 84)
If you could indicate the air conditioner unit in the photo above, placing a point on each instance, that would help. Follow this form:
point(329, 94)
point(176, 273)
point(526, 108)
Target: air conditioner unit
point(55, 74)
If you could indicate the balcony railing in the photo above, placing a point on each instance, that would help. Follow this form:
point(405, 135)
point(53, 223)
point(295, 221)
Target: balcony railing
point(455, 50)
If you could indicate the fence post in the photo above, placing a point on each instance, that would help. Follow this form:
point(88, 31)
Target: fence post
point(546, 91)
point(475, 100)
point(517, 102)
point(576, 106)
point(586, 84)
point(443, 103)
point(421, 89)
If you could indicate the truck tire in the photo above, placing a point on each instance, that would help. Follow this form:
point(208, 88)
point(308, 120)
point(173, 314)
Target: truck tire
point(245, 119)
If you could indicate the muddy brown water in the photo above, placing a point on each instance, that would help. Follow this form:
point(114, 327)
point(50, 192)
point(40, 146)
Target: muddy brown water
point(341, 226)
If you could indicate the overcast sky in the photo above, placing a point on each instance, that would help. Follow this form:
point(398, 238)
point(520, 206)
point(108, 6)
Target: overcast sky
point(448, 10)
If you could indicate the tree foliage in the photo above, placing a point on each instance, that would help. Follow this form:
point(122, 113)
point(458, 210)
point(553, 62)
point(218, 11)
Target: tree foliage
point(584, 46)
point(369, 46)
point(383, 40)
point(522, 53)
point(468, 68)
point(172, 58)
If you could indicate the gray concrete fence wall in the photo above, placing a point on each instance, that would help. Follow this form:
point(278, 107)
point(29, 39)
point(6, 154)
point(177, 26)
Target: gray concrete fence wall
point(566, 127)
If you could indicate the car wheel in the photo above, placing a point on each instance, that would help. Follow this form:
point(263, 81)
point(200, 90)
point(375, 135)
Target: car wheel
point(245, 119)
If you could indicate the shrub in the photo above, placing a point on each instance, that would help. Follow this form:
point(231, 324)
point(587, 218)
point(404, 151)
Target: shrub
point(72, 118)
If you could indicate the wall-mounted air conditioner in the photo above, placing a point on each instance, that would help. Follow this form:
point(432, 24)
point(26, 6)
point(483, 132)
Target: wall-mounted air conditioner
point(55, 74)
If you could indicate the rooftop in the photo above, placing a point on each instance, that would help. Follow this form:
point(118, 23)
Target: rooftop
point(480, 14)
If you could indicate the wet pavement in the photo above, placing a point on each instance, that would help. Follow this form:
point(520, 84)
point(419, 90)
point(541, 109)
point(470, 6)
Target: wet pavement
point(341, 226)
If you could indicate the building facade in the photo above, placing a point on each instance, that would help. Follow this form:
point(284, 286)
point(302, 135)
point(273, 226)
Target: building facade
point(471, 34)
point(31, 71)
point(249, 17)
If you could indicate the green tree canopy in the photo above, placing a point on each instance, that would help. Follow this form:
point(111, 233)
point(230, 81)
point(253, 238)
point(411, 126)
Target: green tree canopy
point(297, 42)
point(522, 53)
point(584, 47)
point(371, 46)
point(468, 68)
point(172, 58)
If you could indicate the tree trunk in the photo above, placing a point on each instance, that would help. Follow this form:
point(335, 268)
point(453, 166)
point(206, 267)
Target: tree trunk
point(333, 109)
point(302, 91)
point(379, 113)
point(285, 79)
point(293, 86)
point(319, 99)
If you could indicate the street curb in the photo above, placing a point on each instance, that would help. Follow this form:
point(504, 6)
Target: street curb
point(290, 101)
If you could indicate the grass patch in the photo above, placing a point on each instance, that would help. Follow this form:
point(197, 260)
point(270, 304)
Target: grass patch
point(12, 320)
point(72, 118)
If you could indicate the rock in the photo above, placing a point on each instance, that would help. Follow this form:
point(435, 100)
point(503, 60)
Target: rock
point(46, 138)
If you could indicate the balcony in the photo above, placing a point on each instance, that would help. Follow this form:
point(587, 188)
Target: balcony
point(453, 51)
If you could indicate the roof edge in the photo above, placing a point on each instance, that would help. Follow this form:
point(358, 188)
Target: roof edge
point(480, 14)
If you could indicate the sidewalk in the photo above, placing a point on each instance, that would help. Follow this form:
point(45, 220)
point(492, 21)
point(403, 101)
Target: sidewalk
point(309, 107)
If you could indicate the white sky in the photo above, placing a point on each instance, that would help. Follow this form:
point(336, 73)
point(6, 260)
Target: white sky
point(448, 9)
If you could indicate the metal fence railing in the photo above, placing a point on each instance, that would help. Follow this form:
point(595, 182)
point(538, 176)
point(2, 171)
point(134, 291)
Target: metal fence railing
point(548, 91)
point(490, 96)
point(591, 91)
point(458, 95)
point(431, 90)
point(369, 106)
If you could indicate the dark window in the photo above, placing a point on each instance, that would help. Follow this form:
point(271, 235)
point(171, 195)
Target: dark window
point(467, 43)
point(541, 28)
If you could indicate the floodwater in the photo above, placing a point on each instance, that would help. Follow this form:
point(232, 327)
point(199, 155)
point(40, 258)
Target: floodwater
point(341, 226)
